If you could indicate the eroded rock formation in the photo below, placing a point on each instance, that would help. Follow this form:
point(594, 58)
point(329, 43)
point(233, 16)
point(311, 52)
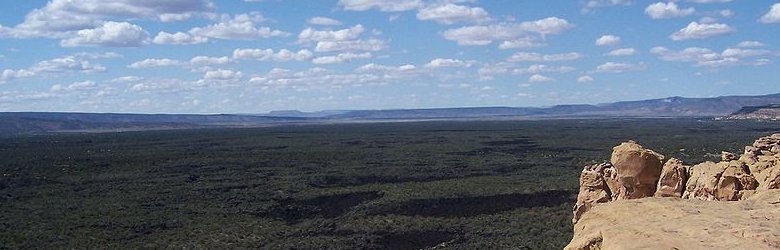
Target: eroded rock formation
point(635, 172)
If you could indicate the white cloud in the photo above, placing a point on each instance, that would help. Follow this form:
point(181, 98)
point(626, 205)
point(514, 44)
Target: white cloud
point(539, 78)
point(154, 63)
point(615, 67)
point(312, 35)
point(238, 27)
point(487, 34)
point(608, 40)
point(773, 16)
point(206, 60)
point(354, 45)
point(178, 38)
point(707, 57)
point(662, 10)
point(76, 86)
point(584, 79)
point(750, 44)
point(52, 66)
point(452, 13)
point(622, 52)
point(521, 43)
point(62, 18)
point(536, 57)
point(447, 63)
point(696, 30)
point(111, 34)
point(541, 68)
point(340, 58)
point(222, 74)
point(324, 21)
point(66, 64)
point(282, 55)
point(10, 74)
point(381, 5)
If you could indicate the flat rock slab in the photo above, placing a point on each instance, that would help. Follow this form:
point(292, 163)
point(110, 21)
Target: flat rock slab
point(674, 223)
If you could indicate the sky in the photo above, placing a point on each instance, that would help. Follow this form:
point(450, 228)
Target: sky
point(255, 56)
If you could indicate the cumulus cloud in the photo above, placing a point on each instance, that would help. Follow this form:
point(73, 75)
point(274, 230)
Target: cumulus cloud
point(238, 27)
point(76, 86)
point(222, 75)
point(773, 16)
point(323, 21)
point(541, 68)
point(536, 57)
point(52, 66)
point(63, 18)
point(487, 34)
point(340, 58)
point(539, 78)
point(521, 43)
point(707, 57)
point(381, 5)
point(452, 13)
point(617, 67)
point(750, 44)
point(584, 79)
point(608, 40)
point(179, 38)
point(696, 30)
point(661, 10)
point(206, 60)
point(154, 63)
point(309, 35)
point(110, 34)
point(353, 45)
point(622, 52)
point(282, 55)
point(447, 63)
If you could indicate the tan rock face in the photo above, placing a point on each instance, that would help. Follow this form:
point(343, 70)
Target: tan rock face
point(703, 182)
point(593, 189)
point(674, 175)
point(664, 223)
point(672, 223)
point(636, 171)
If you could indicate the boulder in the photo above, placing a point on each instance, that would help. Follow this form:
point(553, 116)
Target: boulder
point(703, 181)
point(735, 178)
point(769, 178)
point(636, 171)
point(674, 175)
point(593, 189)
point(727, 156)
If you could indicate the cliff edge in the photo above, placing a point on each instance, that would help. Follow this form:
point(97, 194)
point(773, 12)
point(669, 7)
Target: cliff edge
point(641, 200)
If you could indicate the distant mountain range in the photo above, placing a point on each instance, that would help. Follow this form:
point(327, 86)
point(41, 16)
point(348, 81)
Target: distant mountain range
point(12, 123)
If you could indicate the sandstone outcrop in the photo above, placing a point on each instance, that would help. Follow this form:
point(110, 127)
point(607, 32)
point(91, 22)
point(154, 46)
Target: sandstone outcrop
point(635, 172)
point(671, 183)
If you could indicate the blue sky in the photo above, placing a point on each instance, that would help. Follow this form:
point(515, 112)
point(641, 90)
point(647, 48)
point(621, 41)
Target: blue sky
point(241, 56)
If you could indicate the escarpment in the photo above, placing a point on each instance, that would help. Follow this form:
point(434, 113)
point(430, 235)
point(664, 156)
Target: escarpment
point(640, 199)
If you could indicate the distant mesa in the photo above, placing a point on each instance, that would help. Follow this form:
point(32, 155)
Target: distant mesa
point(765, 112)
point(641, 200)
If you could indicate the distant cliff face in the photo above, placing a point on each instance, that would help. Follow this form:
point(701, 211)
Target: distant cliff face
point(767, 112)
point(680, 211)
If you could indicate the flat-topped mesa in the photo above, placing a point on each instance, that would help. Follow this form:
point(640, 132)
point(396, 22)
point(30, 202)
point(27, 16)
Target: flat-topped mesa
point(635, 172)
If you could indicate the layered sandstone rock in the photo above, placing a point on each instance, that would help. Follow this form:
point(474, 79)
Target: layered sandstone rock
point(671, 183)
point(636, 172)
